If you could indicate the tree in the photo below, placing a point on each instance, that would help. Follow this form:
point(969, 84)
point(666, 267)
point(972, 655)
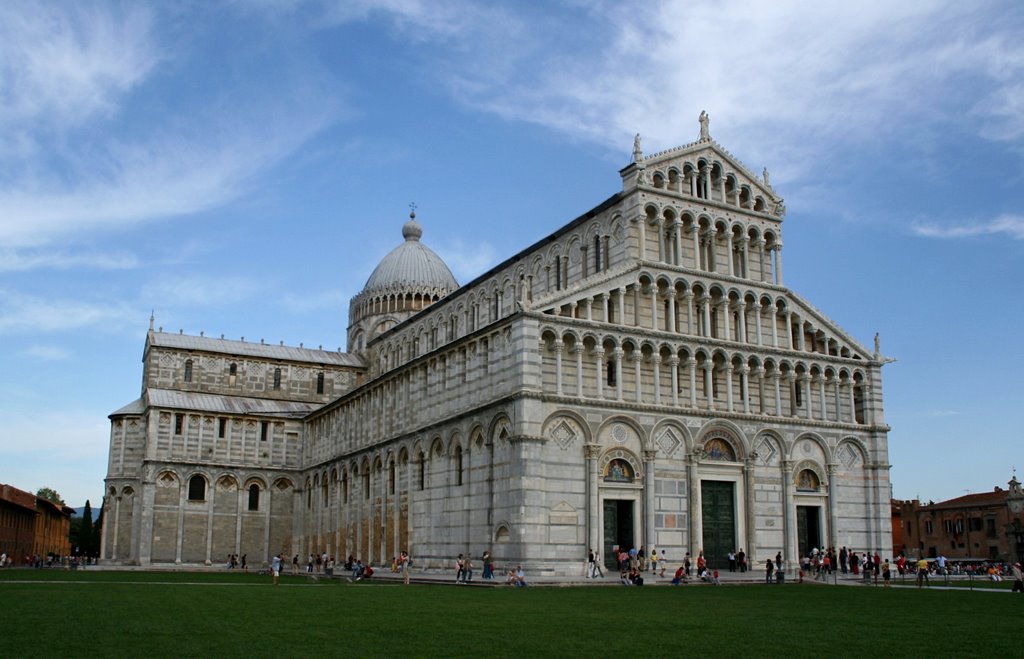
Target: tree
point(85, 531)
point(50, 494)
point(97, 533)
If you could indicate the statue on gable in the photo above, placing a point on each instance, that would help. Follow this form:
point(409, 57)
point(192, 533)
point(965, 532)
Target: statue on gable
point(638, 155)
point(704, 119)
point(764, 174)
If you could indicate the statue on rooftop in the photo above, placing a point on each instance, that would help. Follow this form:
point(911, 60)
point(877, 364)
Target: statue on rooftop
point(704, 119)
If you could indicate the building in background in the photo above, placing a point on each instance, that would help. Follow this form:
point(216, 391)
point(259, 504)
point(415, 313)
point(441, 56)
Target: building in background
point(640, 377)
point(32, 526)
point(982, 526)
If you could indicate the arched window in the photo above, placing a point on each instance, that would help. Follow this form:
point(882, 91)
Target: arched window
point(391, 477)
point(197, 488)
point(232, 374)
point(422, 466)
point(254, 497)
point(458, 465)
point(277, 379)
point(188, 370)
point(611, 372)
point(320, 383)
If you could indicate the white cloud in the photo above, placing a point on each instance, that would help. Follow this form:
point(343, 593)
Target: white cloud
point(333, 300)
point(61, 64)
point(1007, 225)
point(468, 261)
point(202, 291)
point(29, 314)
point(72, 434)
point(24, 260)
point(92, 140)
point(157, 179)
point(48, 353)
point(789, 79)
point(65, 450)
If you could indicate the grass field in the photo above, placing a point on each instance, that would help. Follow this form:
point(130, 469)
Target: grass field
point(138, 614)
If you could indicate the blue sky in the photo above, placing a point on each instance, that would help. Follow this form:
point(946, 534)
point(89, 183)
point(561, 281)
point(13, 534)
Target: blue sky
point(240, 168)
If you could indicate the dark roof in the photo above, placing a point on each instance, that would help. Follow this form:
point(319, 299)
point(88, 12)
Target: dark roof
point(247, 349)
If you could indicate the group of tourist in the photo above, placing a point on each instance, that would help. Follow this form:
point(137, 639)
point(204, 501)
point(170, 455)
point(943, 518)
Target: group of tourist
point(39, 561)
point(464, 567)
point(234, 562)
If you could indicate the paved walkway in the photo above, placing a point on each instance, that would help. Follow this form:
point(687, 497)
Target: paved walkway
point(447, 577)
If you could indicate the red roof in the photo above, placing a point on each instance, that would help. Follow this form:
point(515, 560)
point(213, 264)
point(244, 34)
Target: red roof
point(20, 498)
point(975, 500)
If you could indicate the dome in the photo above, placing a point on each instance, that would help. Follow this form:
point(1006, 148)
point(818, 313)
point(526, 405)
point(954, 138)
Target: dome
point(412, 267)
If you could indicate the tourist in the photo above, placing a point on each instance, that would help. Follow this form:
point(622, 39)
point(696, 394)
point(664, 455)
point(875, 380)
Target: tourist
point(404, 563)
point(732, 561)
point(641, 559)
point(245, 562)
point(295, 564)
point(868, 567)
point(1018, 578)
point(460, 569)
point(701, 563)
point(635, 576)
point(686, 563)
point(843, 559)
point(714, 578)
point(741, 560)
point(520, 578)
point(680, 576)
point(467, 570)
point(886, 572)
point(275, 567)
point(488, 565)
point(654, 561)
point(597, 566)
point(769, 569)
point(664, 563)
point(590, 564)
point(922, 571)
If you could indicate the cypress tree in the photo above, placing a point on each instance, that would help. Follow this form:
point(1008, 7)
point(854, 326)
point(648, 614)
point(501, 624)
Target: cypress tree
point(85, 532)
point(97, 533)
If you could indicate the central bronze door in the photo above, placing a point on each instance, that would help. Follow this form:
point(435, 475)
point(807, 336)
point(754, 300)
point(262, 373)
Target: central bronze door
point(718, 513)
point(618, 529)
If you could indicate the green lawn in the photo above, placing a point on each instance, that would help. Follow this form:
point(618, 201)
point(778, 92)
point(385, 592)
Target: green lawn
point(137, 614)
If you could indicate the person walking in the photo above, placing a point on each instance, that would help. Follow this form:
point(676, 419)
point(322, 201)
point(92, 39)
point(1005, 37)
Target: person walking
point(597, 566)
point(1018, 578)
point(590, 563)
point(654, 561)
point(769, 569)
point(275, 568)
point(403, 564)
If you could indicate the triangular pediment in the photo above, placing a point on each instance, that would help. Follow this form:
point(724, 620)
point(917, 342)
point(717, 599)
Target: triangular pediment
point(679, 169)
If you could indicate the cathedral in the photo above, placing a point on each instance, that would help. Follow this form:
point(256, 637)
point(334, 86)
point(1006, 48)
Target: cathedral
point(640, 377)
